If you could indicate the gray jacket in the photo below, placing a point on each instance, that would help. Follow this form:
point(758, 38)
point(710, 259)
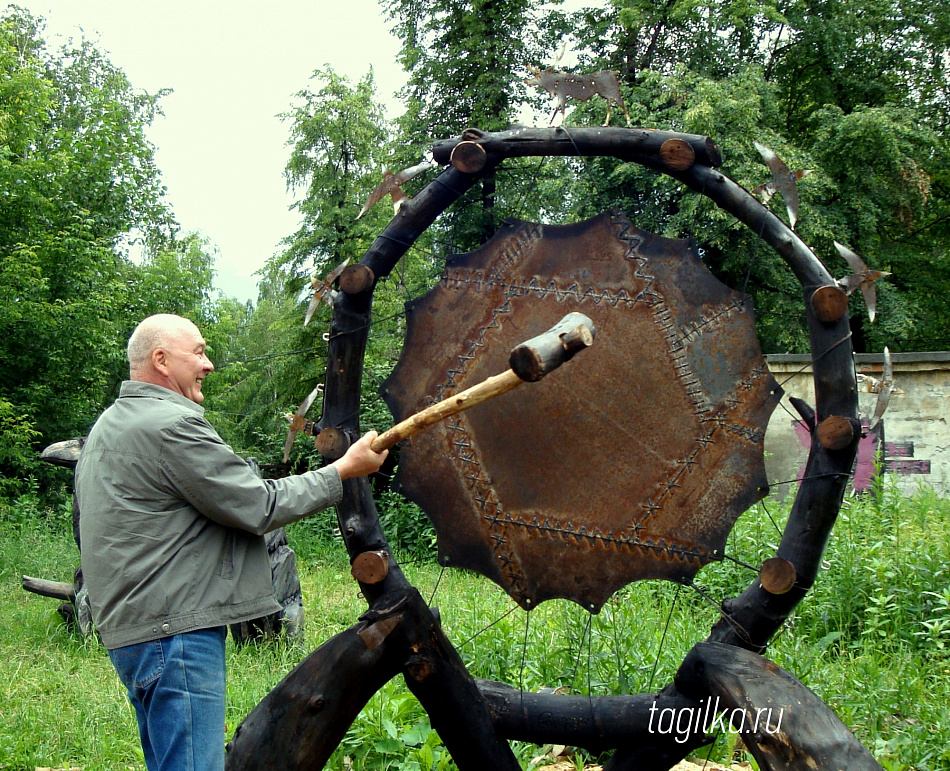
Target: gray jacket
point(172, 521)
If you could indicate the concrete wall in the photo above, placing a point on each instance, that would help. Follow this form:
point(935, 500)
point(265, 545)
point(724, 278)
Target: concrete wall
point(911, 444)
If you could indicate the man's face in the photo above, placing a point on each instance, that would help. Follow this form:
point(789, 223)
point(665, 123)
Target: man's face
point(187, 363)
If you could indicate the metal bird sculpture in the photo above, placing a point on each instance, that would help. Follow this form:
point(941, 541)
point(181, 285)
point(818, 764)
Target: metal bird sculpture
point(863, 278)
point(886, 389)
point(323, 290)
point(298, 421)
point(783, 181)
point(392, 184)
point(562, 85)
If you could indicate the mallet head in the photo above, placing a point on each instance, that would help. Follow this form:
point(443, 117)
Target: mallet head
point(534, 359)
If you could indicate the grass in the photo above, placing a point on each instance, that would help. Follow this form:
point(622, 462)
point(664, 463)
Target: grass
point(872, 639)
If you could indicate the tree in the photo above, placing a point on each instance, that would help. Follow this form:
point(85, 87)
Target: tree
point(338, 141)
point(338, 138)
point(76, 175)
point(855, 92)
point(467, 62)
point(464, 61)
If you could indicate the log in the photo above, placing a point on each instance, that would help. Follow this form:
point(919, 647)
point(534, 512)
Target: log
point(784, 724)
point(449, 694)
point(434, 671)
point(751, 619)
point(596, 724)
point(58, 590)
point(830, 303)
point(836, 432)
point(370, 567)
point(777, 575)
point(451, 698)
point(356, 279)
point(627, 144)
point(415, 216)
point(537, 357)
point(469, 157)
point(301, 721)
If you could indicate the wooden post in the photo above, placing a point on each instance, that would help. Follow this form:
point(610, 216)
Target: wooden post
point(299, 724)
point(784, 725)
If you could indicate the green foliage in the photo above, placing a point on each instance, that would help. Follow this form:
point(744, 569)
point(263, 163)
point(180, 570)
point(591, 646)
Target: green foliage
point(337, 135)
point(406, 526)
point(269, 360)
point(16, 449)
point(76, 176)
point(868, 594)
point(78, 186)
point(464, 61)
point(392, 732)
point(849, 92)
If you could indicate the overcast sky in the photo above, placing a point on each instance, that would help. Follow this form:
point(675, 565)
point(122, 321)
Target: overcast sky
point(233, 66)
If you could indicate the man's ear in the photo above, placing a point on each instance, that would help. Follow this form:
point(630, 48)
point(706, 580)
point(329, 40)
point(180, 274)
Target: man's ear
point(160, 361)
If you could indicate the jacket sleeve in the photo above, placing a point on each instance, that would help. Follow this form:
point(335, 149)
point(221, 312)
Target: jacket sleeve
point(218, 483)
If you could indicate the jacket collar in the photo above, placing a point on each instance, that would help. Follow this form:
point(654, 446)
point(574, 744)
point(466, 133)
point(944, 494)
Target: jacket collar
point(134, 388)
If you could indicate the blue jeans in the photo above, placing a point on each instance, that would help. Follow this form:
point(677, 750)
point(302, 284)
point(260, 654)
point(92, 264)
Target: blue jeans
point(177, 686)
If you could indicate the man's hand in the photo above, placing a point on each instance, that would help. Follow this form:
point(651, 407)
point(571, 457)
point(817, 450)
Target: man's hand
point(360, 460)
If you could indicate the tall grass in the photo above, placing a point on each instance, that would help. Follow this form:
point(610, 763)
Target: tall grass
point(872, 639)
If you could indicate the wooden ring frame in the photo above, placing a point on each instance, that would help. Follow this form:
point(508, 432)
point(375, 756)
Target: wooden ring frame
point(301, 722)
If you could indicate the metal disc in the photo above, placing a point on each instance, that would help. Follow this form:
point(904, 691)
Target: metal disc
point(631, 461)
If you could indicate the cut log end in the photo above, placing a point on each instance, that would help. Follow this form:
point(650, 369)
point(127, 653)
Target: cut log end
point(58, 590)
point(356, 279)
point(469, 157)
point(539, 356)
point(777, 575)
point(836, 432)
point(332, 443)
point(829, 303)
point(677, 154)
point(370, 567)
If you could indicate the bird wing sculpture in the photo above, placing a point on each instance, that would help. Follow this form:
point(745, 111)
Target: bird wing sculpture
point(872, 385)
point(887, 388)
point(297, 420)
point(783, 181)
point(323, 290)
point(392, 184)
point(863, 278)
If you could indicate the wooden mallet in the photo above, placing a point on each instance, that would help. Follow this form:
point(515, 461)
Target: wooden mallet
point(528, 362)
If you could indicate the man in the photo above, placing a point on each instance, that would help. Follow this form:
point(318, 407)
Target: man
point(172, 525)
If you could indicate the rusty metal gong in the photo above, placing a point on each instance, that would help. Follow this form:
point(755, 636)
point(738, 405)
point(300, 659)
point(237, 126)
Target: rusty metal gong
point(631, 461)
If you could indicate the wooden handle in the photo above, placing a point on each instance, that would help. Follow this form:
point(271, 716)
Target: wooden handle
point(487, 389)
